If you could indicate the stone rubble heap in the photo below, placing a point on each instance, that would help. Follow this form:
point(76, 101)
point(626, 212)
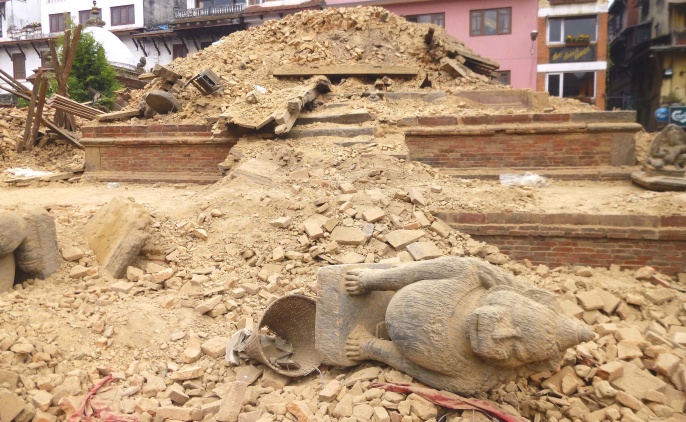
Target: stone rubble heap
point(12, 122)
point(160, 331)
point(245, 60)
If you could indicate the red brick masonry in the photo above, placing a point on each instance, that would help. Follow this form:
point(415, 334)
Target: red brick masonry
point(630, 241)
point(155, 153)
point(509, 141)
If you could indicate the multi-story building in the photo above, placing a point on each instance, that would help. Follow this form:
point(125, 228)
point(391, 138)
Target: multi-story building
point(501, 30)
point(648, 52)
point(21, 38)
point(572, 49)
point(27, 25)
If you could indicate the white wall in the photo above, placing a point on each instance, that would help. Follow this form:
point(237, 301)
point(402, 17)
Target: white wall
point(50, 7)
point(19, 13)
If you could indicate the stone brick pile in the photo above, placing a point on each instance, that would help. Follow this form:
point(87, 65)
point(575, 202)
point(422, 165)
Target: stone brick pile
point(159, 331)
point(246, 60)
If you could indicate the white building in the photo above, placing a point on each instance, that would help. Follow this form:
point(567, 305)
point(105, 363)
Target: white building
point(19, 30)
point(156, 30)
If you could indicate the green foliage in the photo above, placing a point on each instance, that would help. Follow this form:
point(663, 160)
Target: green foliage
point(672, 98)
point(91, 71)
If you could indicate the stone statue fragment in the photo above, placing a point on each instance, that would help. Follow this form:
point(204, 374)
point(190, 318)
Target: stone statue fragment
point(456, 324)
point(668, 149)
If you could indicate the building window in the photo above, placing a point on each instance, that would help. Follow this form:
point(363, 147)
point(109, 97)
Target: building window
point(434, 18)
point(491, 22)
point(645, 10)
point(206, 4)
point(19, 64)
point(503, 77)
point(84, 15)
point(123, 15)
point(179, 51)
point(57, 22)
point(579, 85)
point(560, 29)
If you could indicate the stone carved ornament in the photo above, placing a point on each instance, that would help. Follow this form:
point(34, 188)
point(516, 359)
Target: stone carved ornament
point(668, 149)
point(456, 324)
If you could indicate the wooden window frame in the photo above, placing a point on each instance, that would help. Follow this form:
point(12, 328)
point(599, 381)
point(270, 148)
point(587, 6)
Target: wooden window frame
point(479, 14)
point(415, 18)
point(181, 47)
point(18, 58)
point(59, 22)
point(501, 73)
point(130, 13)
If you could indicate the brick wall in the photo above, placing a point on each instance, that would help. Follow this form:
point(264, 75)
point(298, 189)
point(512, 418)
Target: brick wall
point(155, 152)
point(510, 141)
point(580, 239)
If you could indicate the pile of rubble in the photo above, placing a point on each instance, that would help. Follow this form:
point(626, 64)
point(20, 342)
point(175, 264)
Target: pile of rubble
point(156, 336)
point(12, 123)
point(257, 65)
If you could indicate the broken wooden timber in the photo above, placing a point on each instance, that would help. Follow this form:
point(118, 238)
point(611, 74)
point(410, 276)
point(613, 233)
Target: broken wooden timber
point(116, 115)
point(38, 116)
point(19, 147)
point(71, 106)
point(148, 76)
point(69, 136)
point(165, 73)
point(454, 67)
point(346, 70)
point(285, 119)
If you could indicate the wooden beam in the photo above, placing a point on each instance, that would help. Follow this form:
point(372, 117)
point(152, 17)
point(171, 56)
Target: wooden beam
point(346, 70)
point(55, 61)
point(65, 133)
point(39, 108)
point(118, 115)
point(13, 82)
point(29, 120)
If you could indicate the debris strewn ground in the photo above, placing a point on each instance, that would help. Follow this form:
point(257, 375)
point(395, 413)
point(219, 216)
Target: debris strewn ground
point(218, 255)
point(150, 345)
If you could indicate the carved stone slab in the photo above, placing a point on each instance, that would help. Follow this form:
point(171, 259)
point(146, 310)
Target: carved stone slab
point(338, 313)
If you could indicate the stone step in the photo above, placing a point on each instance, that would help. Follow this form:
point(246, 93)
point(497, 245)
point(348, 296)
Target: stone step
point(346, 117)
point(334, 131)
point(150, 177)
point(558, 173)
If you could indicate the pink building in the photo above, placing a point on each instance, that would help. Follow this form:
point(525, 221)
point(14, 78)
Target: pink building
point(496, 29)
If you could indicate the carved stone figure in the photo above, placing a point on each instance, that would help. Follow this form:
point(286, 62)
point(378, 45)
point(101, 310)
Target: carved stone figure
point(28, 243)
point(668, 149)
point(457, 324)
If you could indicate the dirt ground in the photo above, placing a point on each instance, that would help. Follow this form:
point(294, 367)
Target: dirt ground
point(222, 243)
point(88, 330)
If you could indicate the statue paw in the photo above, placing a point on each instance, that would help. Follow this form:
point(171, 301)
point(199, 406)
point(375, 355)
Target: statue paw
point(353, 345)
point(353, 282)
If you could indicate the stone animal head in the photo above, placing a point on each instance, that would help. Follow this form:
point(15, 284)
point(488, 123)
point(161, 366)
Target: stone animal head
point(512, 329)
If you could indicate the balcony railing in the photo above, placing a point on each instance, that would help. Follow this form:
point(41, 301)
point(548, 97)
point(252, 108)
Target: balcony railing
point(209, 11)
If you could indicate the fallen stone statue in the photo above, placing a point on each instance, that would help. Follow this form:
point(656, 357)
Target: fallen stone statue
point(456, 324)
point(28, 242)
